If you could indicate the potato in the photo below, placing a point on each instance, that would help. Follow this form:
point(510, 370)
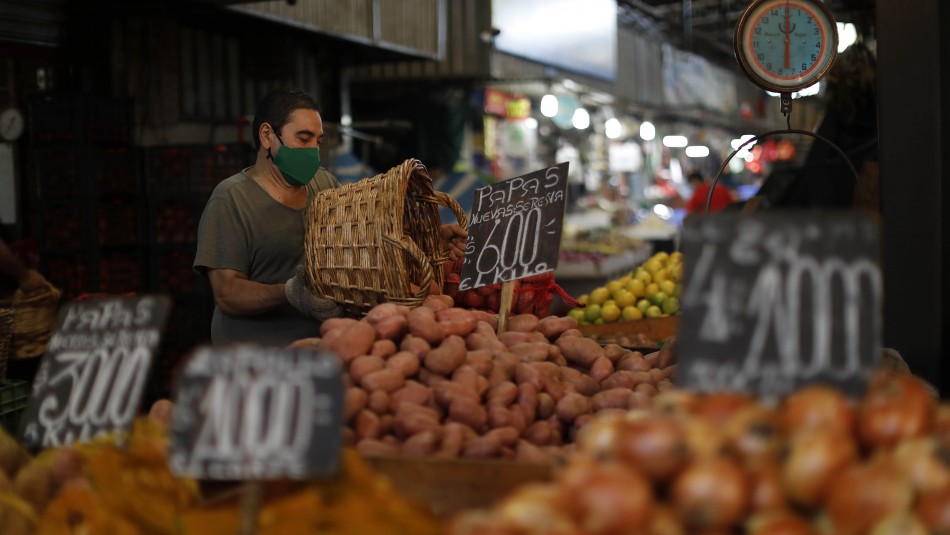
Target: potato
point(580, 351)
point(529, 453)
point(422, 324)
point(545, 406)
point(405, 362)
point(438, 301)
point(527, 374)
point(466, 375)
point(367, 425)
point(383, 349)
point(387, 379)
point(453, 438)
point(335, 324)
point(446, 392)
point(409, 422)
point(481, 360)
point(601, 369)
point(552, 326)
point(582, 383)
point(502, 394)
point(415, 345)
point(614, 398)
point(510, 338)
point(385, 310)
point(413, 392)
point(391, 328)
point(483, 447)
point(422, 444)
point(634, 362)
point(571, 406)
point(531, 351)
point(615, 352)
point(539, 433)
point(378, 402)
point(523, 323)
point(447, 357)
point(469, 412)
point(364, 365)
point(354, 401)
point(355, 339)
point(457, 321)
point(528, 400)
point(507, 436)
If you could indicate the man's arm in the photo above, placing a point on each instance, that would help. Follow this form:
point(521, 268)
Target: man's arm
point(235, 295)
point(29, 280)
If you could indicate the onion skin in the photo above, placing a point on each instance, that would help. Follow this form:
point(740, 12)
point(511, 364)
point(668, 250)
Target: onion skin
point(866, 494)
point(607, 499)
point(817, 406)
point(896, 407)
point(933, 509)
point(923, 460)
point(655, 446)
point(778, 523)
point(752, 436)
point(766, 493)
point(711, 493)
point(813, 460)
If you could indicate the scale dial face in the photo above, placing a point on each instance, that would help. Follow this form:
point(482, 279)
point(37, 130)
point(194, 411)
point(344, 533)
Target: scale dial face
point(786, 45)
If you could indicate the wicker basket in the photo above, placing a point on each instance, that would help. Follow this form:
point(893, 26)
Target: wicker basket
point(26, 324)
point(377, 240)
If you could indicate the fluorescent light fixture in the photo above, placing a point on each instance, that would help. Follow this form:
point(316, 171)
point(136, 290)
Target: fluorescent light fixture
point(675, 141)
point(736, 143)
point(531, 123)
point(647, 131)
point(697, 151)
point(549, 105)
point(612, 128)
point(847, 36)
point(581, 119)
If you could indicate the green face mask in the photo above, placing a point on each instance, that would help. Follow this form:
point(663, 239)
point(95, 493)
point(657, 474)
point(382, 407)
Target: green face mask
point(298, 165)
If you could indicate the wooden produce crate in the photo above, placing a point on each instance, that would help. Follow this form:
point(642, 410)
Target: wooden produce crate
point(653, 329)
point(448, 486)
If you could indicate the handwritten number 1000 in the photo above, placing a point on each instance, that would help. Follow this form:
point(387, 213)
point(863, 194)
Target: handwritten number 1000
point(524, 230)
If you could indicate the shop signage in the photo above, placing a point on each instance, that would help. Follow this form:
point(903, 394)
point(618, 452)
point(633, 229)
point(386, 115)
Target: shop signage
point(254, 413)
point(515, 230)
point(95, 370)
point(774, 301)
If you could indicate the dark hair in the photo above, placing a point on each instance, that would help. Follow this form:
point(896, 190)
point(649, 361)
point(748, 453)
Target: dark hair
point(695, 175)
point(275, 109)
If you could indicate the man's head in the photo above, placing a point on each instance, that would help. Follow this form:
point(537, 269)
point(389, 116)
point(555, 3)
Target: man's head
point(276, 108)
point(695, 178)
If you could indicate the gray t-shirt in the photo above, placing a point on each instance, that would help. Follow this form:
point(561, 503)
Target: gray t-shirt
point(244, 229)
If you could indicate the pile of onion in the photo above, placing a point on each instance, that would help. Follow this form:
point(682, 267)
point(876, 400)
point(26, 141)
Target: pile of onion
point(813, 463)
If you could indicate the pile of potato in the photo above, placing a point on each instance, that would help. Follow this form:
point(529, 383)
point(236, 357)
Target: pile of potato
point(437, 380)
point(815, 463)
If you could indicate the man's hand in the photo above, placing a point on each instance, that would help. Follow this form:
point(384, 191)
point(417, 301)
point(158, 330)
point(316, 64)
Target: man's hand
point(299, 295)
point(453, 240)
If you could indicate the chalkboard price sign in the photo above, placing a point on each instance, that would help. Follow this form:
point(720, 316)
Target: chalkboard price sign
point(774, 301)
point(254, 413)
point(95, 369)
point(515, 230)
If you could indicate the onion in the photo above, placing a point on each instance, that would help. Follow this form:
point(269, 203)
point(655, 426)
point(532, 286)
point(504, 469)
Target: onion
point(703, 439)
point(924, 461)
point(816, 406)
point(865, 494)
point(903, 523)
point(663, 521)
point(711, 493)
point(599, 438)
point(813, 459)
point(607, 499)
point(766, 494)
point(675, 402)
point(537, 506)
point(895, 407)
point(933, 509)
point(752, 435)
point(653, 445)
point(778, 523)
point(718, 407)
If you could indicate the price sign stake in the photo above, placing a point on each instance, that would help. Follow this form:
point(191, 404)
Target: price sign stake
point(94, 373)
point(774, 301)
point(515, 231)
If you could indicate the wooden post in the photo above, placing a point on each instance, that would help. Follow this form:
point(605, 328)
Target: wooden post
point(504, 306)
point(250, 506)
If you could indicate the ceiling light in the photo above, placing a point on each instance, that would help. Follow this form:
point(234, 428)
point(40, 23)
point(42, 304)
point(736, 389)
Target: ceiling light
point(581, 119)
point(647, 131)
point(697, 151)
point(549, 105)
point(675, 141)
point(612, 128)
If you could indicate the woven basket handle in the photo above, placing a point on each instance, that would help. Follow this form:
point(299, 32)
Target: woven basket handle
point(415, 253)
point(54, 292)
point(444, 199)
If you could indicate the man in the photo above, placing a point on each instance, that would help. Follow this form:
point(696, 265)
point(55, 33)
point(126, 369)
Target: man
point(721, 197)
point(252, 231)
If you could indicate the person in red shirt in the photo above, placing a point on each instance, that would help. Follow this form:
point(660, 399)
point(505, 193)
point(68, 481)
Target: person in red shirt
point(721, 197)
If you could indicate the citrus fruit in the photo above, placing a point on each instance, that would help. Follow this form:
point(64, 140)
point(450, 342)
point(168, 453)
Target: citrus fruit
point(610, 312)
point(671, 305)
point(667, 287)
point(636, 287)
point(625, 299)
point(652, 288)
point(653, 311)
point(631, 313)
point(576, 313)
point(592, 312)
point(644, 276)
point(599, 295)
point(614, 286)
point(657, 298)
point(644, 304)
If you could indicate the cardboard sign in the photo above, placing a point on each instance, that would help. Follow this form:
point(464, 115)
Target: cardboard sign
point(95, 369)
point(515, 231)
point(774, 301)
point(253, 413)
